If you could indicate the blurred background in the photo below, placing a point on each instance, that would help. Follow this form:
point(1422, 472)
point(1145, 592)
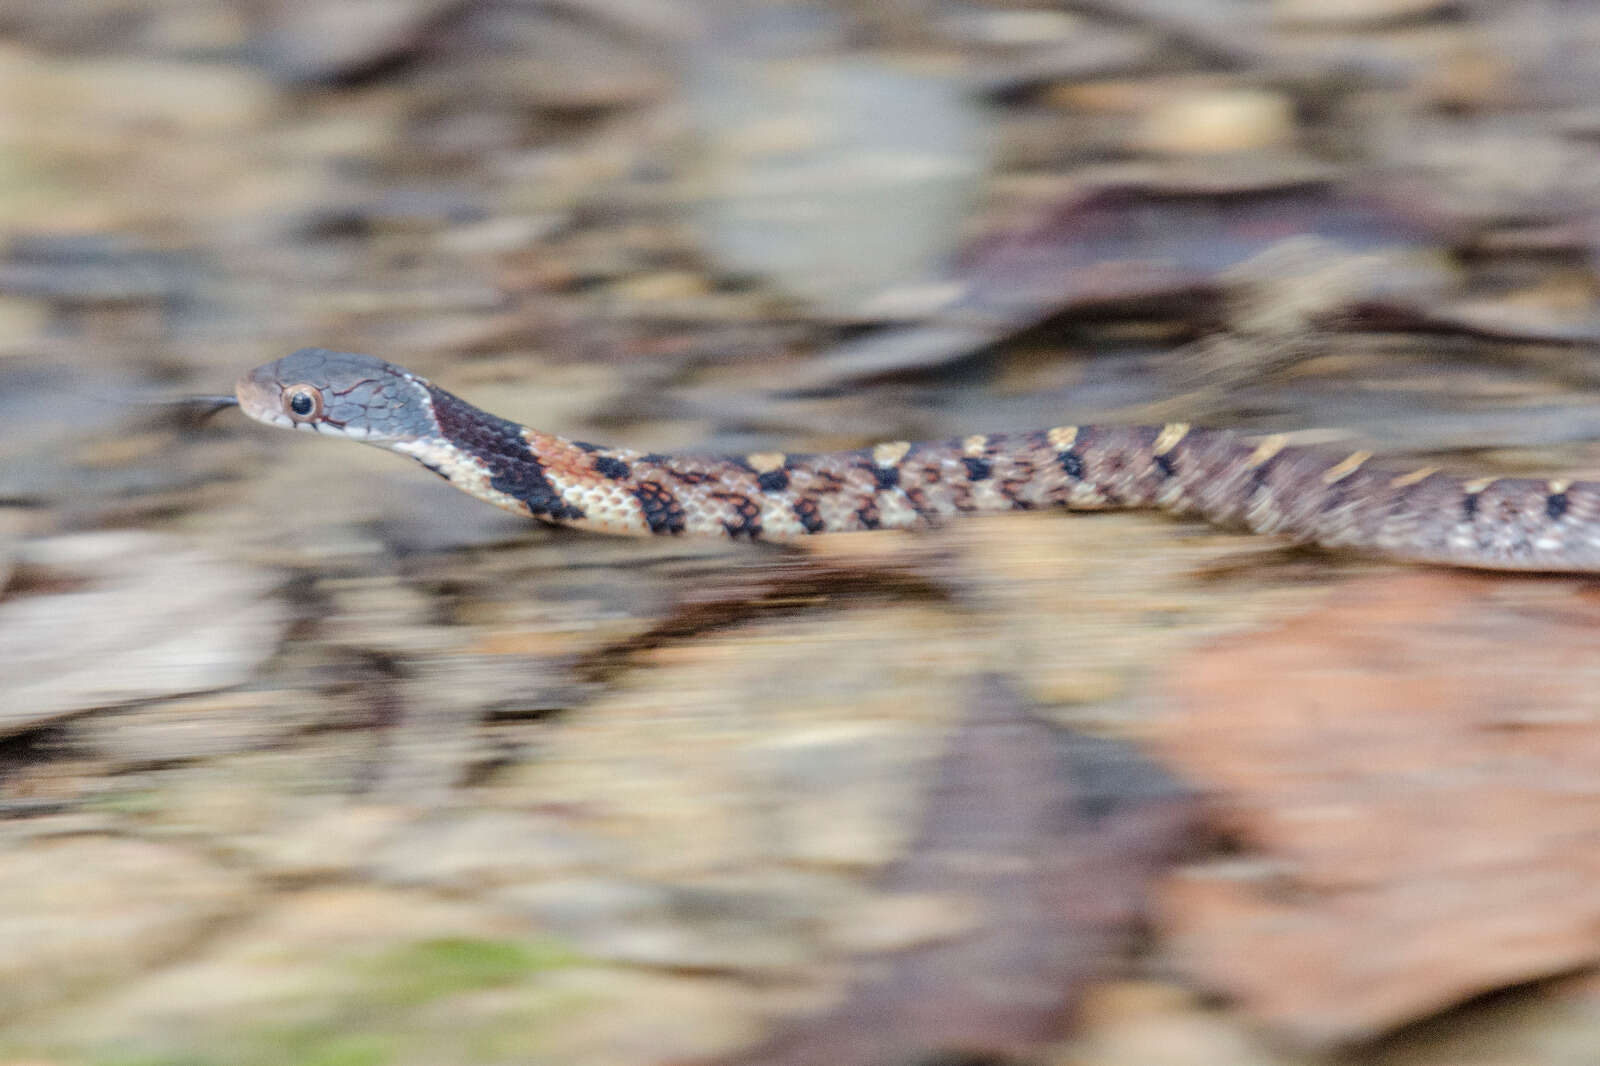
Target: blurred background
point(307, 758)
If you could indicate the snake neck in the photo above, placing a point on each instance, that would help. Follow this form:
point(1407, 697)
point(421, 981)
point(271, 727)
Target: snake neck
point(495, 459)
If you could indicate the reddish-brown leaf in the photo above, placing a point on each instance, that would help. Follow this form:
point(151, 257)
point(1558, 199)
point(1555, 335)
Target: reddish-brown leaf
point(1413, 773)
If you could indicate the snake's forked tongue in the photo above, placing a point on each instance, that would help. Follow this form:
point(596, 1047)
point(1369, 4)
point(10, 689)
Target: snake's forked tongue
point(196, 410)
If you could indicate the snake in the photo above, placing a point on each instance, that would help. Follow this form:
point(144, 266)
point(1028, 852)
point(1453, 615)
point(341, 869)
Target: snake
point(1267, 485)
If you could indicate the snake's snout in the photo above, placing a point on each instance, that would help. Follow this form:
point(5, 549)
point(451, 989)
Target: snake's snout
point(260, 396)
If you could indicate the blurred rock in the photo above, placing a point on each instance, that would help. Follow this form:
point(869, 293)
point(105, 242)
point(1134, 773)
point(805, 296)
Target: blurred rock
point(298, 960)
point(475, 851)
point(543, 58)
point(1015, 50)
point(22, 317)
point(93, 269)
point(158, 26)
point(834, 179)
point(676, 928)
point(1356, 13)
point(846, 811)
point(1226, 120)
point(1141, 1023)
point(196, 728)
point(13, 522)
point(310, 41)
point(188, 99)
point(135, 617)
point(85, 910)
point(334, 843)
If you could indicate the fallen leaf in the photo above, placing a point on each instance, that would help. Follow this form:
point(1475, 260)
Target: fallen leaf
point(1039, 843)
point(1412, 776)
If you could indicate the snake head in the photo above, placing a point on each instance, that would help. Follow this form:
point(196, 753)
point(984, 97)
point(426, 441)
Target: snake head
point(338, 393)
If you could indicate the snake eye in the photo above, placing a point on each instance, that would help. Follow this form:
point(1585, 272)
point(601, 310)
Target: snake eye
point(302, 402)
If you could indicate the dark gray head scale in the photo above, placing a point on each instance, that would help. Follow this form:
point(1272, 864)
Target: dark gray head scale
point(339, 393)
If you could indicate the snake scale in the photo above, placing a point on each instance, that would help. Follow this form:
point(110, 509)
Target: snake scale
point(1264, 485)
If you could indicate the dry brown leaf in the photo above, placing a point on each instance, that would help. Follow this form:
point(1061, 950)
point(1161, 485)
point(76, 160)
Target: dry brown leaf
point(1031, 865)
point(1413, 775)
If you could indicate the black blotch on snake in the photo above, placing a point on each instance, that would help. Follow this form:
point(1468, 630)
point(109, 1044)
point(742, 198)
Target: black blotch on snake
point(615, 469)
point(662, 512)
point(806, 511)
point(500, 446)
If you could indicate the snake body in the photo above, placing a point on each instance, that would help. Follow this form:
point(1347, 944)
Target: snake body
point(1265, 485)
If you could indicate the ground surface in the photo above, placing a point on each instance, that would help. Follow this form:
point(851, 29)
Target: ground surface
point(305, 757)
